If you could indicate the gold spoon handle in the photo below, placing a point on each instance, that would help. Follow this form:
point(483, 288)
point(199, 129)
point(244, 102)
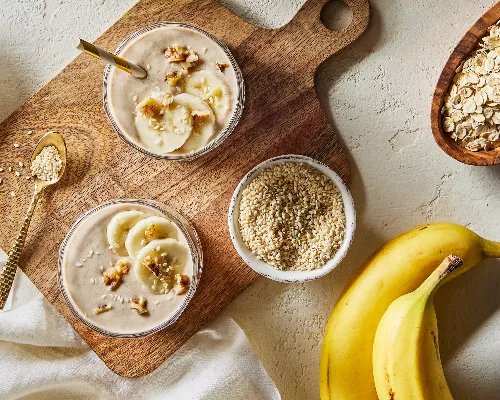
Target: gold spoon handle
point(10, 268)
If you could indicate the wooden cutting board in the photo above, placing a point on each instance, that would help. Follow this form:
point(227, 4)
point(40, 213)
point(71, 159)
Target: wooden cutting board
point(282, 115)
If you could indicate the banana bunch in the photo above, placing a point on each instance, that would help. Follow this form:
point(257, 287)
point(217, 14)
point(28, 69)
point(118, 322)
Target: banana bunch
point(136, 235)
point(396, 269)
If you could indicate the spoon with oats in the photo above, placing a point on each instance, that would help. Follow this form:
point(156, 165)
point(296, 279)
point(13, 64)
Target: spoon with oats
point(48, 162)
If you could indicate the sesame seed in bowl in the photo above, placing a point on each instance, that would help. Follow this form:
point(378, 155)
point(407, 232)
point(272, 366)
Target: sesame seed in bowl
point(291, 219)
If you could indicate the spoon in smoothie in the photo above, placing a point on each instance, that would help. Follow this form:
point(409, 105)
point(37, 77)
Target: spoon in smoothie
point(48, 162)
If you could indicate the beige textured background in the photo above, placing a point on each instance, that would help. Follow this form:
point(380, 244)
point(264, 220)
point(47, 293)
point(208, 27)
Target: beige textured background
point(377, 95)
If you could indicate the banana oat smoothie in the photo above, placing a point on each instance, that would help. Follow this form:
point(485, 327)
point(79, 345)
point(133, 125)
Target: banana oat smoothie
point(126, 268)
point(186, 101)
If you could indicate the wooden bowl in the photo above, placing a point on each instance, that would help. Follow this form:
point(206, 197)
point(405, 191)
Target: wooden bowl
point(462, 50)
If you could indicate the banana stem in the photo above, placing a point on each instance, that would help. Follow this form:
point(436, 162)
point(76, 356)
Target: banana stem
point(491, 249)
point(437, 278)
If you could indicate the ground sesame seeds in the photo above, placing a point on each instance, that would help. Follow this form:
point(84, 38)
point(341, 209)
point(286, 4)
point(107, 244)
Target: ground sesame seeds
point(292, 217)
point(47, 164)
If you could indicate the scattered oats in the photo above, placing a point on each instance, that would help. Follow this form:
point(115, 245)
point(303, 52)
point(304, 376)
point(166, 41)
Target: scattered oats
point(92, 280)
point(10, 169)
point(28, 177)
point(79, 264)
point(158, 248)
point(13, 194)
point(17, 173)
point(163, 254)
point(21, 164)
point(204, 50)
point(103, 296)
point(47, 164)
point(156, 302)
point(292, 217)
point(16, 145)
point(148, 67)
point(1, 170)
point(29, 133)
point(135, 98)
point(101, 268)
point(122, 300)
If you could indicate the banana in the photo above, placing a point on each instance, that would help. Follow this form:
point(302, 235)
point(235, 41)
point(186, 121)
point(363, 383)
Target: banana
point(119, 227)
point(406, 360)
point(163, 122)
point(397, 268)
point(147, 230)
point(210, 88)
point(203, 122)
point(157, 263)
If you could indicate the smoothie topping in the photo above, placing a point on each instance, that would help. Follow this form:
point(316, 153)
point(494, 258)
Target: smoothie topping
point(102, 309)
point(222, 66)
point(181, 284)
point(112, 276)
point(140, 305)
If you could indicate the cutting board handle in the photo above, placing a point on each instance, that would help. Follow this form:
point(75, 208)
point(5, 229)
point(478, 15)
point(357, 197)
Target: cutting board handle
point(323, 40)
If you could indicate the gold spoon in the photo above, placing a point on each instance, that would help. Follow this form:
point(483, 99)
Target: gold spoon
point(10, 268)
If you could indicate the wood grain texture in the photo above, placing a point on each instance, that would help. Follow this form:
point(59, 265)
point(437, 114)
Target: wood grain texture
point(282, 115)
point(461, 51)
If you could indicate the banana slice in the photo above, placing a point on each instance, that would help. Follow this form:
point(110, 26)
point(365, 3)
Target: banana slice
point(206, 85)
point(163, 123)
point(158, 262)
point(119, 227)
point(147, 230)
point(203, 119)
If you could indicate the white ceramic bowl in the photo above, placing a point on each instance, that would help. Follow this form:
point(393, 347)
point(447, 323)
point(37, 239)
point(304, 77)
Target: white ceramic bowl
point(265, 269)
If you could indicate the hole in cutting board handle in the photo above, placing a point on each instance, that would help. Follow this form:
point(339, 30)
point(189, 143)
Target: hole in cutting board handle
point(336, 15)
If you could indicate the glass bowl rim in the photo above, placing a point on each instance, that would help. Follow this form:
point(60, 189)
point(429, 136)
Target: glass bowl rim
point(216, 142)
point(195, 248)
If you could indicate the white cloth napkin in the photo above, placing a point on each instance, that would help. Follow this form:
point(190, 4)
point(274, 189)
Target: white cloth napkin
point(42, 357)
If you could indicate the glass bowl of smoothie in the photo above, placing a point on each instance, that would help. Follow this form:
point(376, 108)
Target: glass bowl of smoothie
point(128, 268)
point(191, 100)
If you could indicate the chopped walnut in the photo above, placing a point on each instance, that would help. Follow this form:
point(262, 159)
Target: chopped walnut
point(199, 115)
point(173, 78)
point(166, 99)
point(222, 66)
point(176, 54)
point(112, 276)
point(186, 58)
point(151, 233)
point(102, 309)
point(140, 305)
point(153, 266)
point(151, 109)
point(181, 284)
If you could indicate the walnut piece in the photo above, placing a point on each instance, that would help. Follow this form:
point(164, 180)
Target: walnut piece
point(151, 232)
point(173, 78)
point(199, 115)
point(140, 305)
point(102, 309)
point(112, 276)
point(151, 108)
point(176, 54)
point(181, 284)
point(152, 265)
point(222, 66)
